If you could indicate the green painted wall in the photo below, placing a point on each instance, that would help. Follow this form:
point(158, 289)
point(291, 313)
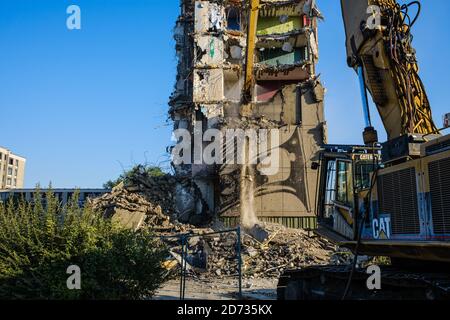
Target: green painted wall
point(274, 57)
point(272, 25)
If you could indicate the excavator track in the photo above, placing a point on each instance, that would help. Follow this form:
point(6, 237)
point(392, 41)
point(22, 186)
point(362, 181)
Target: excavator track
point(329, 282)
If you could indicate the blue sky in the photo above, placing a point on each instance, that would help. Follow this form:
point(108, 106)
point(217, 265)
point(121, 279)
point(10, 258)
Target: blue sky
point(84, 105)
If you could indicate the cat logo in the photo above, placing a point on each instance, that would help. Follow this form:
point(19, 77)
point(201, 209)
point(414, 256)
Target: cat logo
point(382, 228)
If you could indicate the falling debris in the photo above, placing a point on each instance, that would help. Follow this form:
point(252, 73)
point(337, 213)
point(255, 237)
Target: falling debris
point(248, 214)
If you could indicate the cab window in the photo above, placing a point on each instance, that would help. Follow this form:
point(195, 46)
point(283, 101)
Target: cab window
point(362, 175)
point(344, 193)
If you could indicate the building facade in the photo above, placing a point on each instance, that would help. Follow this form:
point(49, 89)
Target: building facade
point(12, 170)
point(62, 195)
point(211, 45)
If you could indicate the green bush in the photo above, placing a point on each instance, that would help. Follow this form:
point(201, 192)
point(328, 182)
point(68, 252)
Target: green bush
point(38, 244)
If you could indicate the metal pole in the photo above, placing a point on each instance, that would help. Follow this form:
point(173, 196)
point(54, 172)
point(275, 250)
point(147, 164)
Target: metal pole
point(182, 268)
point(364, 97)
point(238, 231)
point(186, 244)
point(184, 253)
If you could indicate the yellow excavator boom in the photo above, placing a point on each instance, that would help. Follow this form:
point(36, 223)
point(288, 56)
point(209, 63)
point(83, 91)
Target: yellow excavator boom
point(379, 47)
point(251, 45)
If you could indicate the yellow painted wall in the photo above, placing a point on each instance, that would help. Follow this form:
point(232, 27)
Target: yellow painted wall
point(272, 25)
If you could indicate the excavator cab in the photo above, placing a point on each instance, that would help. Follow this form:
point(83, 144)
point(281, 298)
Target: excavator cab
point(397, 210)
point(344, 182)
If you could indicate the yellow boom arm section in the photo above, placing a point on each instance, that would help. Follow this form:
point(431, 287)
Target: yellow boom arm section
point(251, 45)
point(379, 41)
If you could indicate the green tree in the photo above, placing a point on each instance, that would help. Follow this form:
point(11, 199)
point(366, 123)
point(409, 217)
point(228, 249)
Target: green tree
point(40, 240)
point(127, 176)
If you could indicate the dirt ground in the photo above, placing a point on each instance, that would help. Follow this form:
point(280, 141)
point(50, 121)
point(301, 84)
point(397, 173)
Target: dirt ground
point(220, 289)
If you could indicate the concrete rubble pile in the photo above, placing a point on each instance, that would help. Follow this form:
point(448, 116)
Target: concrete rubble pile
point(153, 200)
point(131, 210)
point(286, 249)
point(134, 210)
point(216, 255)
point(179, 197)
point(160, 190)
point(213, 256)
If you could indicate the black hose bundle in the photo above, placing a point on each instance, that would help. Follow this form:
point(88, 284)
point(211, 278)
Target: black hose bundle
point(360, 230)
point(413, 100)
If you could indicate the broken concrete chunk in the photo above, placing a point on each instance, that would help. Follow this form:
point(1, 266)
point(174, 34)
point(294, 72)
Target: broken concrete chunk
point(259, 233)
point(193, 241)
point(252, 252)
point(118, 188)
point(208, 85)
point(129, 220)
point(313, 44)
point(180, 260)
point(209, 17)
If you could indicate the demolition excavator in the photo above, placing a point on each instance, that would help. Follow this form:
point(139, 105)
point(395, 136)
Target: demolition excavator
point(381, 200)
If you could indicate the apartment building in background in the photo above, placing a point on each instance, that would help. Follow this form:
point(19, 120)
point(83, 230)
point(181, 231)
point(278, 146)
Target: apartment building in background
point(12, 170)
point(64, 196)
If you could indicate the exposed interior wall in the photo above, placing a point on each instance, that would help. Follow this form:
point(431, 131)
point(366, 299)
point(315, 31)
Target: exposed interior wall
point(302, 127)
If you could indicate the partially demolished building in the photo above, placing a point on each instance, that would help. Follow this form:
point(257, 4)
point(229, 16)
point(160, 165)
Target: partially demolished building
point(211, 44)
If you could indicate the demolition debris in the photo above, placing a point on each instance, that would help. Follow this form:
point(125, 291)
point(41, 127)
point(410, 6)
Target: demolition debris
point(131, 210)
point(143, 198)
point(215, 255)
point(284, 249)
